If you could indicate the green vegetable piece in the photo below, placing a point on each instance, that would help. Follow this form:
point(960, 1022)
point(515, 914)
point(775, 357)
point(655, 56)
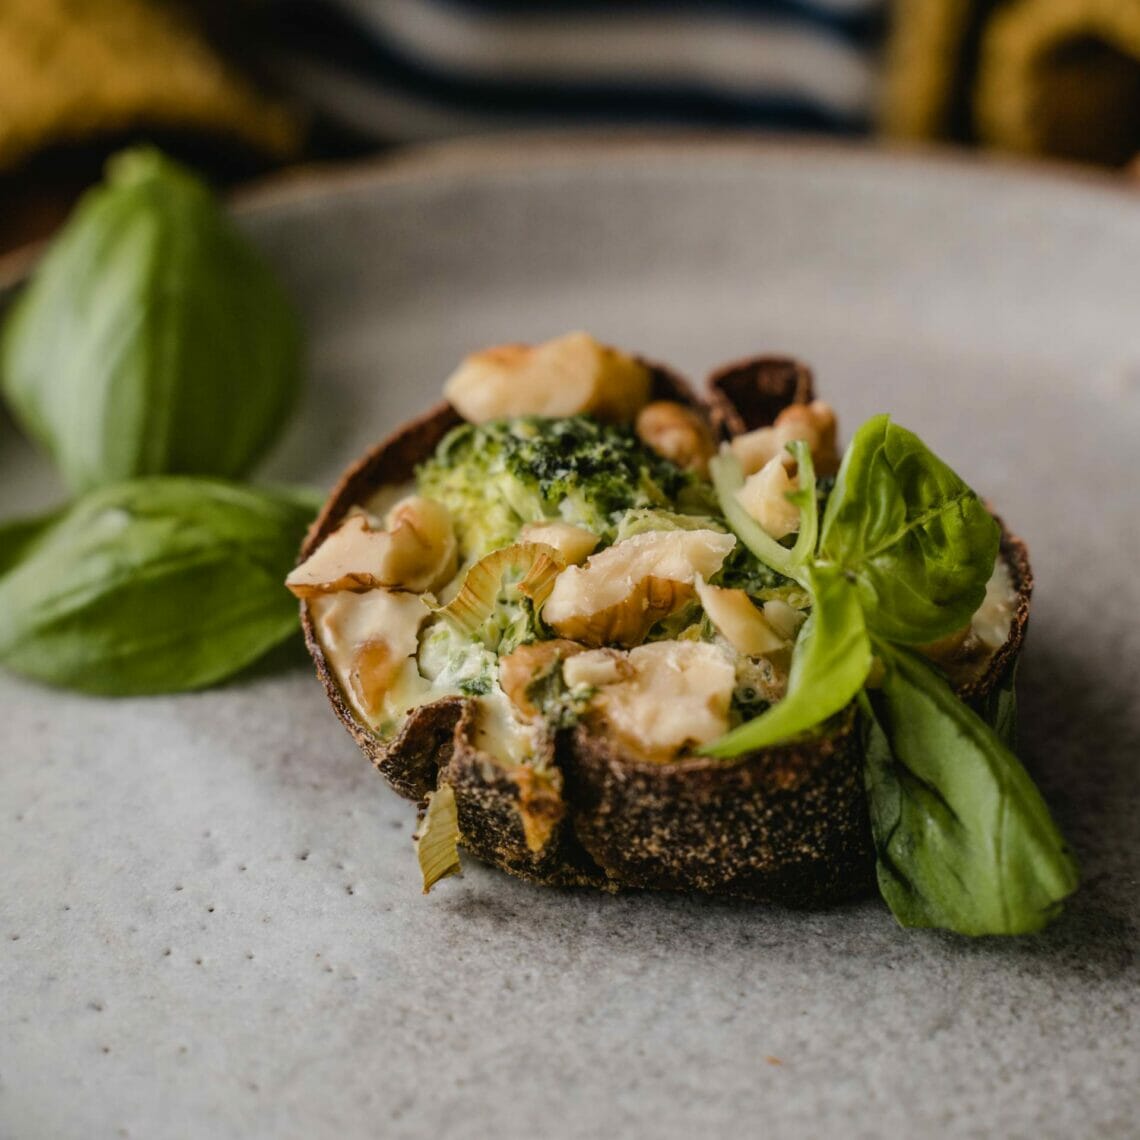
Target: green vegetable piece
point(831, 661)
point(497, 476)
point(964, 839)
point(152, 338)
point(918, 542)
point(155, 585)
point(805, 498)
point(437, 837)
point(999, 709)
point(17, 537)
point(728, 478)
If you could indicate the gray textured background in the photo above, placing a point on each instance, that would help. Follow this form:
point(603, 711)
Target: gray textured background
point(210, 923)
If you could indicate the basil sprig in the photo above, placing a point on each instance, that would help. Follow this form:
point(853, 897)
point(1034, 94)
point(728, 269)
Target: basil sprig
point(916, 541)
point(963, 837)
point(154, 585)
point(964, 840)
point(152, 338)
point(151, 341)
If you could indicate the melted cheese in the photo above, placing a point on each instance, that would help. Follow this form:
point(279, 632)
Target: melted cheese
point(994, 618)
point(370, 642)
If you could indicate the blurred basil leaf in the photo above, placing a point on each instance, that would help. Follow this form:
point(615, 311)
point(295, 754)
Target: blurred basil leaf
point(152, 338)
point(919, 544)
point(999, 709)
point(18, 535)
point(154, 585)
point(964, 839)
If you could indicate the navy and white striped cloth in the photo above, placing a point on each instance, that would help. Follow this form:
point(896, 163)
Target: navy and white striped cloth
point(404, 70)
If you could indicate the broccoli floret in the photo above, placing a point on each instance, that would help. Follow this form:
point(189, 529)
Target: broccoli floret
point(495, 477)
point(742, 570)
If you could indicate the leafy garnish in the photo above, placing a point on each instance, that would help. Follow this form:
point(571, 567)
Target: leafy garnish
point(829, 665)
point(154, 585)
point(913, 544)
point(919, 544)
point(963, 837)
point(152, 337)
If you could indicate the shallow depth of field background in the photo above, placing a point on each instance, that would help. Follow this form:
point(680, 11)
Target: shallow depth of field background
point(244, 88)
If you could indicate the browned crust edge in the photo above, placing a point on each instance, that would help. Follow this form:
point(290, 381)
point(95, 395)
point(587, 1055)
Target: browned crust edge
point(750, 393)
point(425, 737)
point(787, 824)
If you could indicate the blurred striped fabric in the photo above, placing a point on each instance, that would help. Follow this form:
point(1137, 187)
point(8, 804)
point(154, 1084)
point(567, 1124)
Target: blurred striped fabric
point(402, 70)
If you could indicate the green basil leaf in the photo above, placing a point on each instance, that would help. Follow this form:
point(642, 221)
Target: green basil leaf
point(728, 478)
point(152, 338)
point(999, 709)
point(17, 537)
point(831, 661)
point(919, 543)
point(805, 498)
point(154, 585)
point(964, 839)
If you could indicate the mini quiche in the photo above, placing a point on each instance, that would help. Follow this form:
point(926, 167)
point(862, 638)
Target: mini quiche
point(610, 633)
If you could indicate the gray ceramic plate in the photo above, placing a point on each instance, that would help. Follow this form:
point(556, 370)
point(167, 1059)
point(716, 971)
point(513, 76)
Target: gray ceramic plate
point(210, 918)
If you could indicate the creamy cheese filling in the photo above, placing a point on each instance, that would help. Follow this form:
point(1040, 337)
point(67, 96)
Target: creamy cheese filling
point(370, 641)
point(994, 617)
point(661, 697)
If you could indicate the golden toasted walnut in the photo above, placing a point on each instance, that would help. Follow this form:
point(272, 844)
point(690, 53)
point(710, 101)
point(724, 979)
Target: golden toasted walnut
point(519, 670)
point(597, 667)
point(664, 697)
point(621, 592)
point(813, 423)
point(566, 376)
point(417, 552)
point(574, 543)
point(783, 618)
point(676, 433)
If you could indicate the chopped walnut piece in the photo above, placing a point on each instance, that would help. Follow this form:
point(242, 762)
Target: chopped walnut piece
point(566, 376)
point(663, 697)
point(527, 664)
point(741, 624)
point(813, 423)
point(417, 552)
point(676, 433)
point(621, 592)
point(574, 543)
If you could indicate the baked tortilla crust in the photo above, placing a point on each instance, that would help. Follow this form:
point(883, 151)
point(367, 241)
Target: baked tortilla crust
point(785, 824)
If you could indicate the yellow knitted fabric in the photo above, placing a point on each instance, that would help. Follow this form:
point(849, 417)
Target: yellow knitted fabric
point(1062, 77)
point(925, 54)
point(1057, 77)
point(70, 69)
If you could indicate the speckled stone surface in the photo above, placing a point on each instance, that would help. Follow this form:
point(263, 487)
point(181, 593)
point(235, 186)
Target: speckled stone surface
point(210, 918)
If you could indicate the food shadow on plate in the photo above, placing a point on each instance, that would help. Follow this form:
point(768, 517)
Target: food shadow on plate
point(1078, 739)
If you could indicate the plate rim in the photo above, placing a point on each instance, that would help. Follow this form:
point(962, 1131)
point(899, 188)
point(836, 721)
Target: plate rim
point(531, 151)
